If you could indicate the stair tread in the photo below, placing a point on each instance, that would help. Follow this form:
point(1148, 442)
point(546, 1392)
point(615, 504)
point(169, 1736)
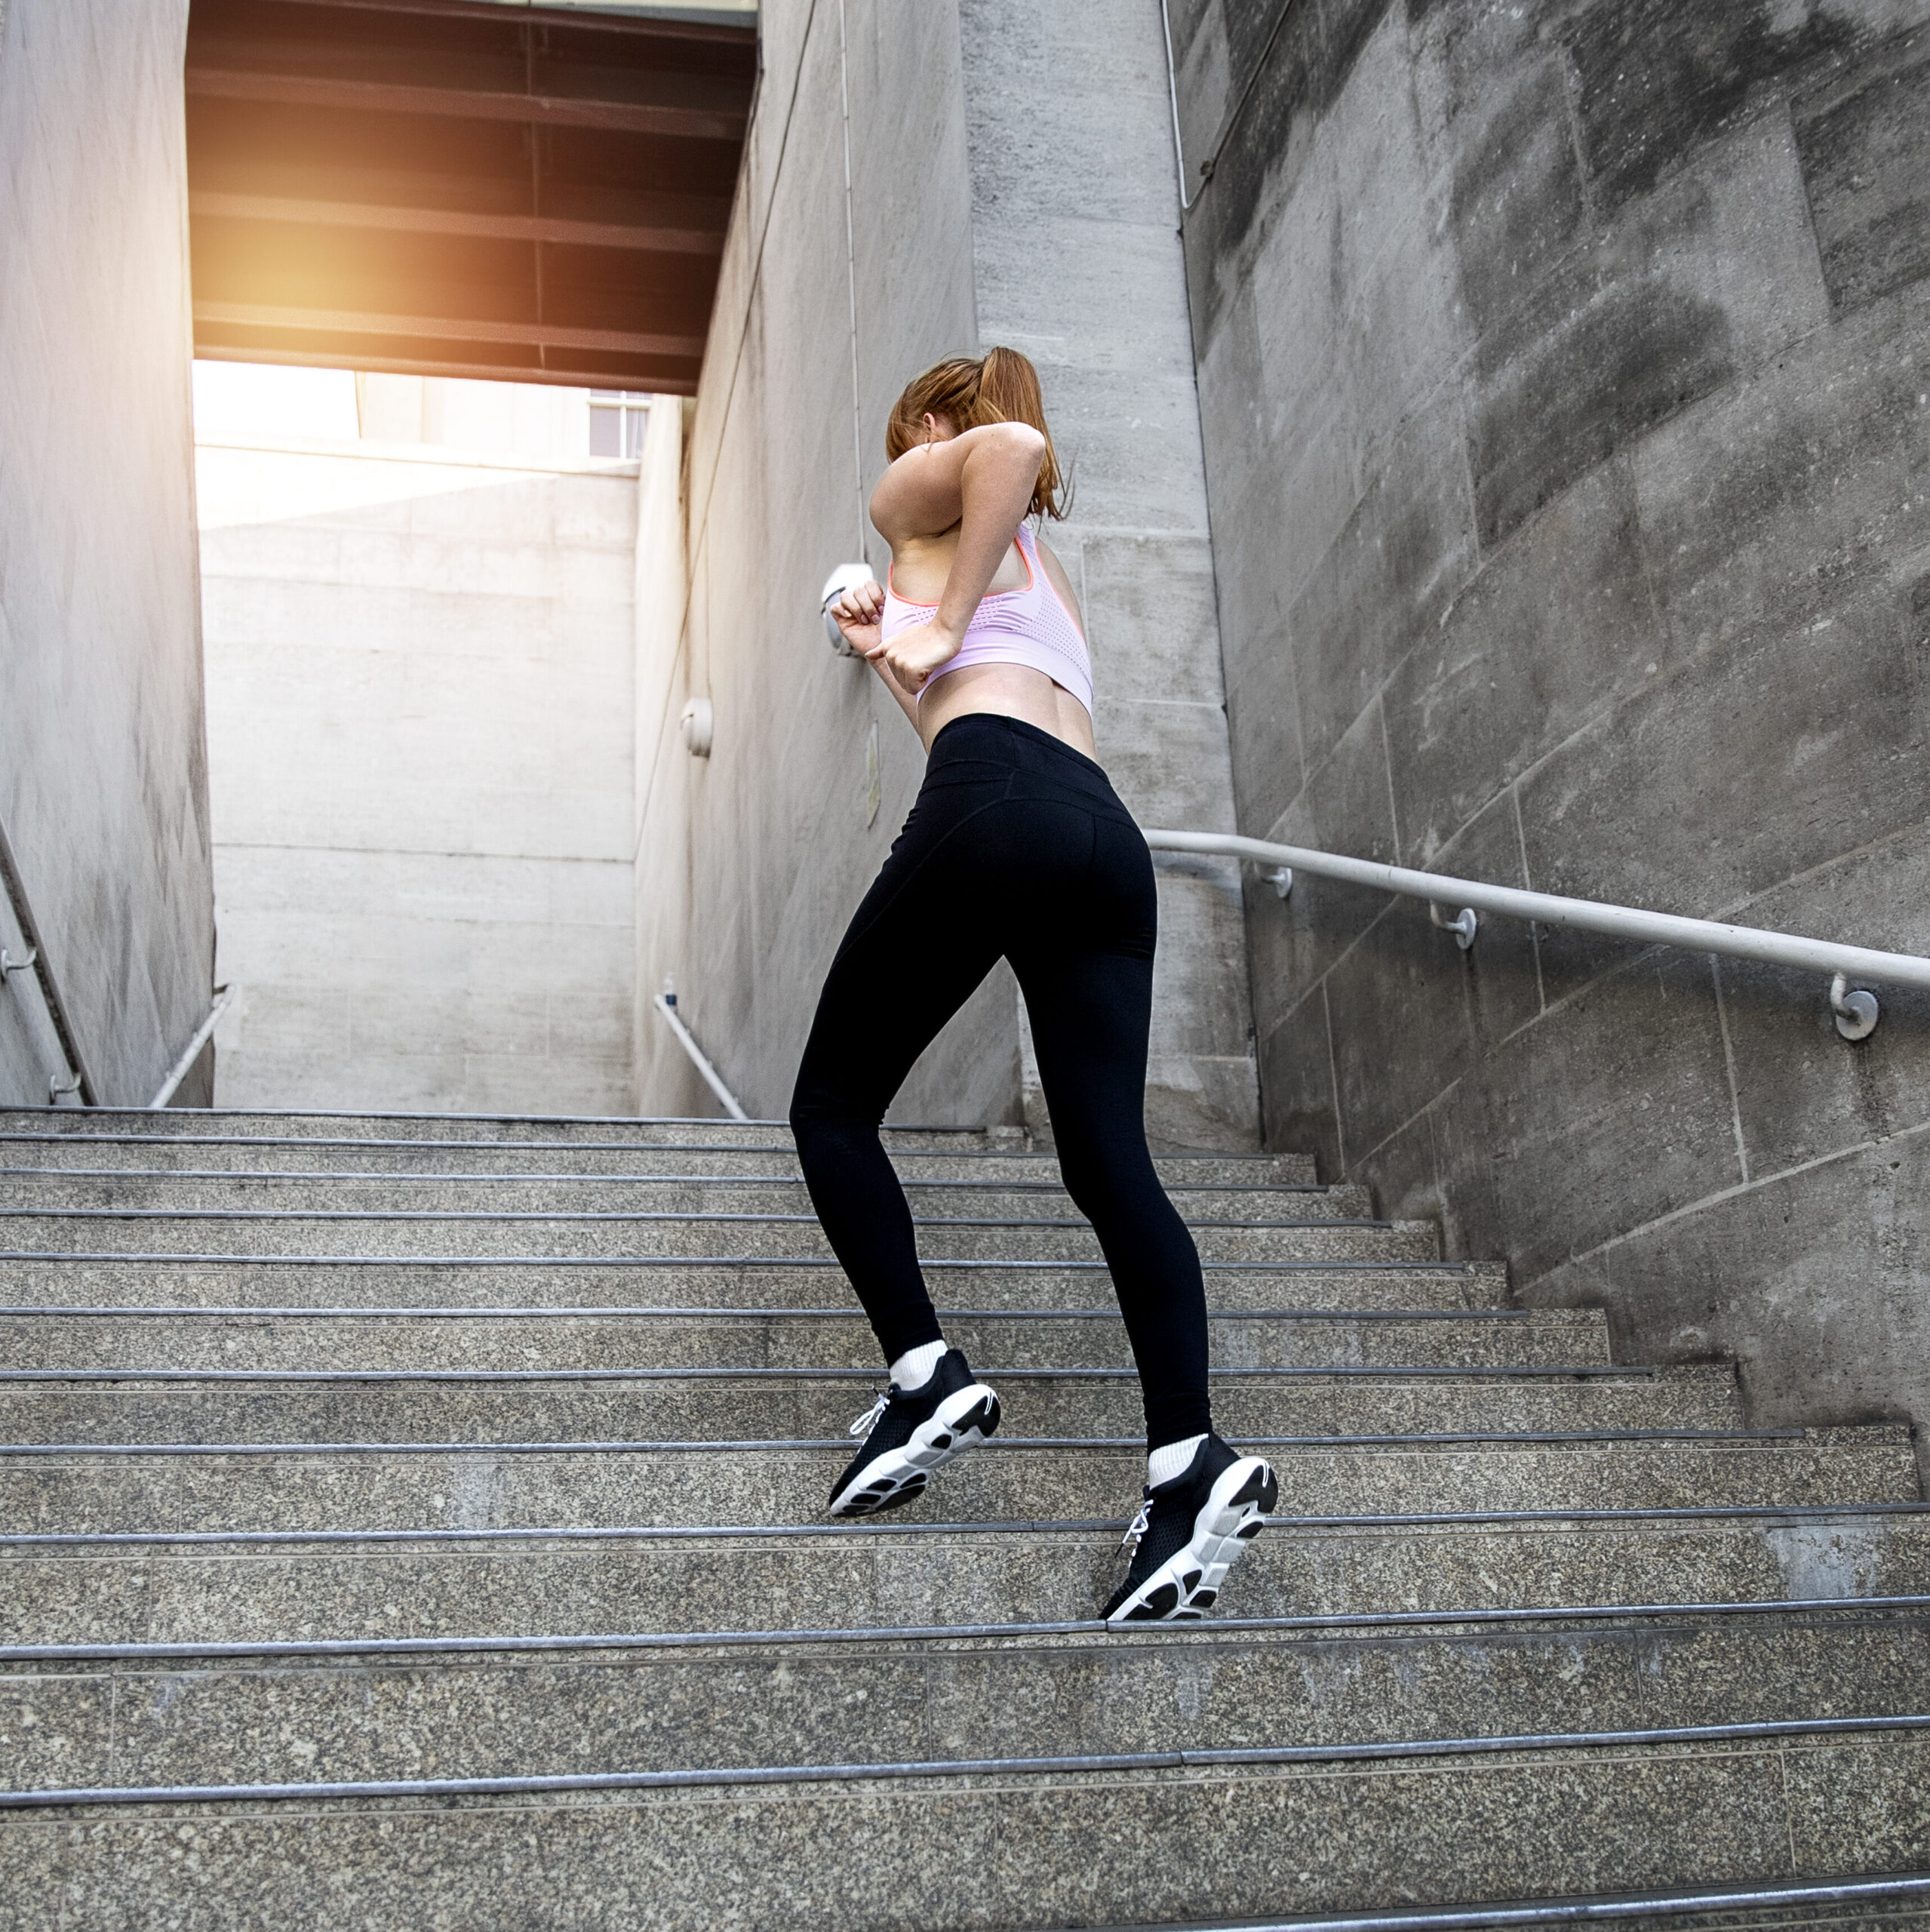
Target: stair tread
point(560, 1392)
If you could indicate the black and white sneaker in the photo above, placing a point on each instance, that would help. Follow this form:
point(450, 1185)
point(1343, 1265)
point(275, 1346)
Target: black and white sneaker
point(1188, 1532)
point(909, 1433)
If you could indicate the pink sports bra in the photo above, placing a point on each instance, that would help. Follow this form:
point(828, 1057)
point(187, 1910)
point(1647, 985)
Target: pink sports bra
point(1030, 626)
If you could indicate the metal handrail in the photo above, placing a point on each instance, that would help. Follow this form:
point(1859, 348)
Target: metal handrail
point(1857, 1012)
point(191, 1052)
point(666, 1004)
point(81, 1080)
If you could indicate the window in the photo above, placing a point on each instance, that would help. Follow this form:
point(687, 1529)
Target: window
point(616, 422)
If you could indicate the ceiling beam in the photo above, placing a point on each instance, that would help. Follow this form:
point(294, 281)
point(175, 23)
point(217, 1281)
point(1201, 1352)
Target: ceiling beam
point(674, 240)
point(620, 117)
point(443, 328)
point(684, 383)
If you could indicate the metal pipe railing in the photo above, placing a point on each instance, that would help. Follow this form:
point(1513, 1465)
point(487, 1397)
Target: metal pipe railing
point(79, 1080)
point(191, 1052)
point(666, 1004)
point(1857, 1012)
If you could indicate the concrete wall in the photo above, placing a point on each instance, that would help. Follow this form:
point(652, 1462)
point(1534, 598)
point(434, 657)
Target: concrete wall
point(1077, 262)
point(750, 862)
point(1012, 181)
point(102, 775)
point(1561, 366)
point(419, 699)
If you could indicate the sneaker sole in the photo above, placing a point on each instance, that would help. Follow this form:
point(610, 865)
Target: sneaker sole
point(1183, 1588)
point(898, 1476)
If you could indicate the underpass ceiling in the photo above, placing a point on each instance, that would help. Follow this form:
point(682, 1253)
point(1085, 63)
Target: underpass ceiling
point(462, 188)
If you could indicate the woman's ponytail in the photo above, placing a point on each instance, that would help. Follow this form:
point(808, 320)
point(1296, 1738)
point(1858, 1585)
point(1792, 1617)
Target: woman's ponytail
point(999, 386)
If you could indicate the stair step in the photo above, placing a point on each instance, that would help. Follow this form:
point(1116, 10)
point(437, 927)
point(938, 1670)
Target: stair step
point(486, 1339)
point(268, 1232)
point(533, 1281)
point(51, 1189)
point(754, 1404)
point(268, 1123)
point(1029, 1843)
point(529, 1425)
point(458, 1585)
point(856, 1700)
point(137, 1124)
point(618, 1483)
point(181, 1152)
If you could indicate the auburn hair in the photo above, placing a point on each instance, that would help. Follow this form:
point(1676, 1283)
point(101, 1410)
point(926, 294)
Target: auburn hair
point(968, 391)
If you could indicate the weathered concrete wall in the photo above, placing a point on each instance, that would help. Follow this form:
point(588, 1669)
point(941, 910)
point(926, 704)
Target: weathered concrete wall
point(103, 773)
point(999, 192)
point(1078, 262)
point(420, 697)
point(1562, 370)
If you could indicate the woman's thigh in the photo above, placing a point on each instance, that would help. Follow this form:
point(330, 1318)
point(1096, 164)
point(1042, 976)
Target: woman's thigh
point(916, 949)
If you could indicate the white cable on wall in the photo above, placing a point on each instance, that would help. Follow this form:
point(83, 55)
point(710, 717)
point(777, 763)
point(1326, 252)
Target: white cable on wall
point(851, 279)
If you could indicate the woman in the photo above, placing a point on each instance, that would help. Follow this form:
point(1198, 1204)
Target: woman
point(1017, 846)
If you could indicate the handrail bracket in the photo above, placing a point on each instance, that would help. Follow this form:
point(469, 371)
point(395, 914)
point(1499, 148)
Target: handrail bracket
point(1857, 1013)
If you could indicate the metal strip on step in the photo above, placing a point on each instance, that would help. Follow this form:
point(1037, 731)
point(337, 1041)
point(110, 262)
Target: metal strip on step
point(1583, 1911)
point(1792, 1513)
point(1252, 1758)
point(1125, 1373)
point(1043, 1157)
point(599, 1310)
point(1887, 1609)
point(600, 1216)
point(333, 1176)
point(186, 1258)
point(1134, 1443)
point(500, 1119)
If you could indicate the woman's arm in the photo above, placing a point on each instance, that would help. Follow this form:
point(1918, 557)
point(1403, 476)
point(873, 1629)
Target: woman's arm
point(857, 612)
point(982, 482)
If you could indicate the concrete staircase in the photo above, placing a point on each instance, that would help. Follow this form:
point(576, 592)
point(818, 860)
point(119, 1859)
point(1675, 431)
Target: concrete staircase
point(414, 1522)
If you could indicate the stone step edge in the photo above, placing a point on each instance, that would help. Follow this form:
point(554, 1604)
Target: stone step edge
point(782, 1145)
point(1614, 1616)
point(1590, 1318)
point(1585, 1372)
point(1876, 1435)
point(168, 1176)
point(1775, 1512)
point(1534, 1915)
point(1253, 1757)
point(16, 1109)
point(187, 1258)
point(600, 1216)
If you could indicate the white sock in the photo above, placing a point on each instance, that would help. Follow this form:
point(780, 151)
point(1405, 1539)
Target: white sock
point(1171, 1459)
point(913, 1369)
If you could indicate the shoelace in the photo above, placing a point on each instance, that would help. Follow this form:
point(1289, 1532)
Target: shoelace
point(1136, 1528)
point(865, 1423)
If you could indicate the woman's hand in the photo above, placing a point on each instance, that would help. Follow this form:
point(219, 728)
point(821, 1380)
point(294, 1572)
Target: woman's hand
point(856, 612)
point(913, 654)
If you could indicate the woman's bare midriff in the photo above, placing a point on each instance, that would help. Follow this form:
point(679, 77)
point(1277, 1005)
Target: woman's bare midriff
point(1007, 691)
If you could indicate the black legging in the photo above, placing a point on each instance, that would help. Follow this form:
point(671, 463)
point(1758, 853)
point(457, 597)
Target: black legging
point(1018, 846)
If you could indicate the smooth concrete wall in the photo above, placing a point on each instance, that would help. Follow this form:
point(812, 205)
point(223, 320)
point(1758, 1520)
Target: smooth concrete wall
point(1012, 179)
point(420, 698)
point(1563, 371)
point(103, 771)
point(750, 862)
